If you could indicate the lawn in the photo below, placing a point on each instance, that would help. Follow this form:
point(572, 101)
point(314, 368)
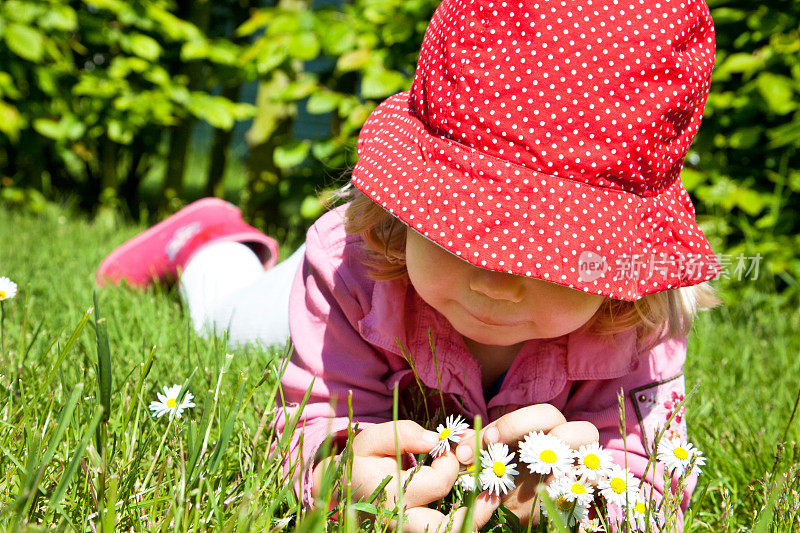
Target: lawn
point(67, 464)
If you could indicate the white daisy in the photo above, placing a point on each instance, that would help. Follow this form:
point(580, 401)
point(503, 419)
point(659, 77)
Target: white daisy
point(451, 431)
point(677, 455)
point(591, 525)
point(571, 511)
point(545, 454)
point(497, 474)
point(638, 515)
point(619, 487)
point(573, 489)
point(168, 402)
point(8, 289)
point(592, 462)
point(466, 478)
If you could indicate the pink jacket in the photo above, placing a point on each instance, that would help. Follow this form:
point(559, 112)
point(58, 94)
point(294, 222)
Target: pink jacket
point(345, 329)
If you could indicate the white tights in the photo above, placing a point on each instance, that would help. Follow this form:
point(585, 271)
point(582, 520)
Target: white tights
point(226, 288)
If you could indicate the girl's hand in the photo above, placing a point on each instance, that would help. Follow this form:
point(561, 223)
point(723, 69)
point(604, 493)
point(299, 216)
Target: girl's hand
point(374, 458)
point(510, 429)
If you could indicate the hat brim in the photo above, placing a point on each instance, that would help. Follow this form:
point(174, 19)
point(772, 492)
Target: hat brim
point(510, 218)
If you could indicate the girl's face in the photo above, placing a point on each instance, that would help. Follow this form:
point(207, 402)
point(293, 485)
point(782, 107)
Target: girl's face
point(493, 308)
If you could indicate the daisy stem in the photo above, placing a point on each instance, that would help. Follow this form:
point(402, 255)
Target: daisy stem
point(158, 453)
point(535, 501)
point(601, 515)
point(2, 330)
point(401, 508)
point(571, 512)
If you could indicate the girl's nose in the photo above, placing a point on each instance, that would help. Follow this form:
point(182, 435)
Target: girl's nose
point(497, 285)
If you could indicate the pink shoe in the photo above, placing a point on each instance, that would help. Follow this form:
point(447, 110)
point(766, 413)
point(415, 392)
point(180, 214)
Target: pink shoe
point(159, 252)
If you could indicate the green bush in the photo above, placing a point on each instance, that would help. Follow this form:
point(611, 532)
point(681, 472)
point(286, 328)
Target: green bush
point(330, 67)
point(744, 167)
point(90, 93)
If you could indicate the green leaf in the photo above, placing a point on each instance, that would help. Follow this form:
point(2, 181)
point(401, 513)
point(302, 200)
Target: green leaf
point(382, 83)
point(353, 60)
point(60, 18)
point(303, 46)
point(298, 89)
point(311, 208)
point(144, 46)
point(726, 15)
point(738, 64)
point(119, 132)
point(8, 88)
point(10, 121)
point(291, 154)
point(359, 115)
point(194, 50)
point(25, 41)
point(322, 150)
point(323, 102)
point(750, 201)
point(336, 36)
point(691, 178)
point(744, 138)
point(258, 20)
point(270, 56)
point(22, 12)
point(224, 53)
point(173, 27)
point(215, 110)
point(284, 23)
point(49, 128)
point(777, 92)
point(787, 134)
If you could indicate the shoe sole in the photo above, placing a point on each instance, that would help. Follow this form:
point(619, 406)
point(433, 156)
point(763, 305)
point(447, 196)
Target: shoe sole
point(102, 279)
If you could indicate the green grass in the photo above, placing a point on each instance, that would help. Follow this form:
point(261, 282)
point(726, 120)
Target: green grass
point(135, 472)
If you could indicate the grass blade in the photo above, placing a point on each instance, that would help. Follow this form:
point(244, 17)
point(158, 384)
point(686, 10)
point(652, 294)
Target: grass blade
point(146, 366)
point(77, 455)
point(103, 361)
point(45, 384)
point(63, 422)
point(227, 429)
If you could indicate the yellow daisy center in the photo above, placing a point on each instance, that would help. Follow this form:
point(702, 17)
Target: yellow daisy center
point(617, 485)
point(548, 456)
point(681, 453)
point(564, 504)
point(577, 488)
point(471, 468)
point(2, 295)
point(591, 461)
point(171, 402)
point(640, 507)
point(499, 469)
point(446, 432)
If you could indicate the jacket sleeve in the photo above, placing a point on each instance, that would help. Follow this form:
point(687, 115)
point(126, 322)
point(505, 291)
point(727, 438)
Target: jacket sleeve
point(329, 357)
point(653, 386)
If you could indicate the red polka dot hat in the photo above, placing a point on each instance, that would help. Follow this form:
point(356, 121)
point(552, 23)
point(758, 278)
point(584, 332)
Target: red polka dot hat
point(546, 138)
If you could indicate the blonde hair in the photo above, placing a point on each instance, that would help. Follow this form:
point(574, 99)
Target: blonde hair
point(664, 314)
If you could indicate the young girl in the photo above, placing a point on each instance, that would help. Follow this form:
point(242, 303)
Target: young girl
point(517, 245)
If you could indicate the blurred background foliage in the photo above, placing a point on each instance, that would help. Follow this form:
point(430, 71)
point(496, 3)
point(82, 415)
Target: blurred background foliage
point(140, 106)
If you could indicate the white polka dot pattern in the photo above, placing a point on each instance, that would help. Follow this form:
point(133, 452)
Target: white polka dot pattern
point(536, 132)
